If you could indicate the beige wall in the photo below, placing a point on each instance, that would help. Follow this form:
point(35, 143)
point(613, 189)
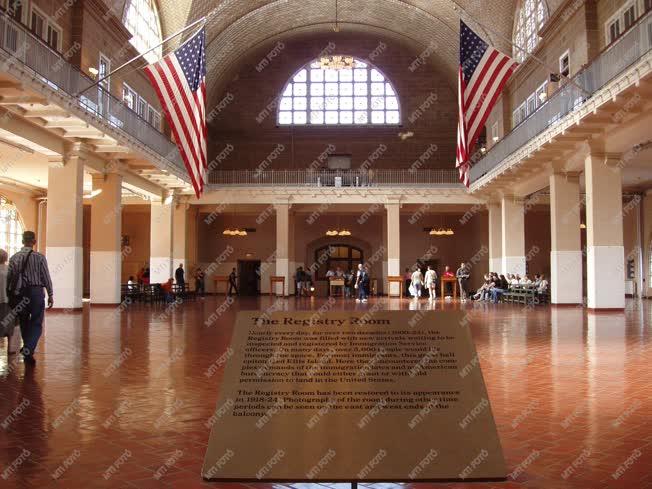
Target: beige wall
point(27, 206)
point(135, 225)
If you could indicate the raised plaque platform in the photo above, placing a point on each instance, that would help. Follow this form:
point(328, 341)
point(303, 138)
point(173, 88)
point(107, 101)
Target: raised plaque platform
point(350, 396)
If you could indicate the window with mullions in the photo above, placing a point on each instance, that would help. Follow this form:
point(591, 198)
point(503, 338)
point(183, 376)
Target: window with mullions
point(11, 227)
point(142, 20)
point(340, 256)
point(327, 96)
point(530, 17)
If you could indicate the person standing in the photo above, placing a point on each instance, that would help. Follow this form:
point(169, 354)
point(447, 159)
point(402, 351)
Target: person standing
point(416, 281)
point(200, 286)
point(27, 276)
point(462, 275)
point(180, 276)
point(232, 282)
point(431, 283)
point(361, 283)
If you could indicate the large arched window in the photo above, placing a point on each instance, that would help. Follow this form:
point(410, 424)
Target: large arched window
point(358, 94)
point(530, 17)
point(11, 227)
point(142, 20)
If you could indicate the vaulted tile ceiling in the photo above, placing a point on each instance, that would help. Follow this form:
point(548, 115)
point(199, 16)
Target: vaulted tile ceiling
point(242, 25)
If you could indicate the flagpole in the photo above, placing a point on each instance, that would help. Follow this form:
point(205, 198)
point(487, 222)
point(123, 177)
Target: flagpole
point(532, 55)
point(124, 65)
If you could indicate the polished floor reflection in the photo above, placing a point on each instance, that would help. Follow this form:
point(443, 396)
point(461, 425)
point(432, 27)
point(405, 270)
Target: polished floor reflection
point(120, 398)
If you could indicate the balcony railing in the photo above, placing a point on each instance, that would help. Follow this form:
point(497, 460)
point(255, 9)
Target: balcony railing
point(53, 70)
point(614, 60)
point(335, 178)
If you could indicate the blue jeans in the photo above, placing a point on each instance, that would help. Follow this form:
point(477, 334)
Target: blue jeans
point(496, 293)
point(362, 291)
point(31, 318)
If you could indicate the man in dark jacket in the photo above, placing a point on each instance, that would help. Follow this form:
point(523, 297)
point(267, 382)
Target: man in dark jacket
point(463, 275)
point(180, 276)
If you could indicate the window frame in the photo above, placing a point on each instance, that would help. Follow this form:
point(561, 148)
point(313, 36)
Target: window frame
point(5, 232)
point(525, 31)
point(350, 260)
point(135, 97)
point(369, 99)
point(142, 23)
point(565, 55)
point(34, 10)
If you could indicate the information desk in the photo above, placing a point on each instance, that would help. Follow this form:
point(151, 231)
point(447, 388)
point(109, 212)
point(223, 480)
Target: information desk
point(388, 396)
point(336, 284)
point(221, 279)
point(395, 279)
point(273, 280)
point(448, 280)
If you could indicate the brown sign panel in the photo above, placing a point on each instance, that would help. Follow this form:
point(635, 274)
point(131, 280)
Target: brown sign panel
point(349, 396)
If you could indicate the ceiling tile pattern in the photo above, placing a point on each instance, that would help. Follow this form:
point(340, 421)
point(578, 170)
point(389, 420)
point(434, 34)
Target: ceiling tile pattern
point(240, 26)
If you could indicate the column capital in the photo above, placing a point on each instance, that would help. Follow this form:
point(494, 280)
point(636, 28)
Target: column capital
point(392, 201)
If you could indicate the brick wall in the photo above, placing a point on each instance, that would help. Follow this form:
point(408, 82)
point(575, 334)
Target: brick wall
point(248, 95)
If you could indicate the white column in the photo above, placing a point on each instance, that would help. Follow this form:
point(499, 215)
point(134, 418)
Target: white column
point(513, 235)
point(393, 243)
point(64, 248)
point(106, 229)
point(495, 238)
point(160, 255)
point(565, 242)
point(282, 247)
point(180, 237)
point(605, 254)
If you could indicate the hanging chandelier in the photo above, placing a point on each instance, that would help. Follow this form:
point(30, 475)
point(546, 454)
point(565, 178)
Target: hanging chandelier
point(441, 232)
point(337, 62)
point(335, 232)
point(234, 232)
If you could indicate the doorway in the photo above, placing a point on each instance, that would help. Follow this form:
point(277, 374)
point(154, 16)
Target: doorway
point(249, 277)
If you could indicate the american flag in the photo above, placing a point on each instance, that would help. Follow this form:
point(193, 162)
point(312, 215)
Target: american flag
point(484, 71)
point(180, 82)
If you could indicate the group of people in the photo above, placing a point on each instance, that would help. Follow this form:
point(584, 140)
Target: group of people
point(356, 282)
point(416, 282)
point(496, 285)
point(23, 283)
point(143, 278)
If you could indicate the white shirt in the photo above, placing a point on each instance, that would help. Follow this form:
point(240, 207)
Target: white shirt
point(430, 277)
point(417, 277)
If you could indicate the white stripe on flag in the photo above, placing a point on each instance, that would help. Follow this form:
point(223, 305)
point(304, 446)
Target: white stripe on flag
point(171, 106)
point(497, 82)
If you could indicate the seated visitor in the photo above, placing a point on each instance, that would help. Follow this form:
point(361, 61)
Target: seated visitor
point(330, 274)
point(501, 286)
point(167, 290)
point(480, 292)
point(525, 280)
point(542, 288)
point(516, 279)
point(131, 284)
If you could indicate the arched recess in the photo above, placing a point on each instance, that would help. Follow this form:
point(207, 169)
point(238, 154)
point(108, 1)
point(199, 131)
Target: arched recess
point(367, 250)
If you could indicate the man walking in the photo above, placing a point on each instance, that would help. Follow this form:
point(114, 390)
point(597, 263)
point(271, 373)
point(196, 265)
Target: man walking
point(28, 275)
point(232, 282)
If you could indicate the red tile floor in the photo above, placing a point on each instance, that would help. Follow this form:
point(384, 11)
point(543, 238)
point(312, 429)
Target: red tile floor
point(126, 389)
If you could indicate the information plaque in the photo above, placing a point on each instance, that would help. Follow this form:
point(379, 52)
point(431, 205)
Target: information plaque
point(352, 396)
